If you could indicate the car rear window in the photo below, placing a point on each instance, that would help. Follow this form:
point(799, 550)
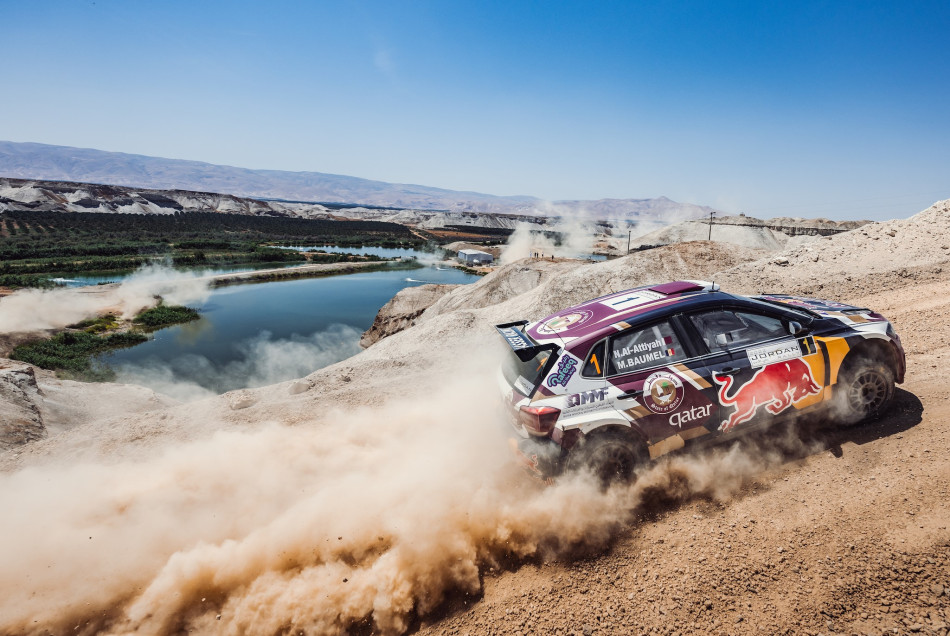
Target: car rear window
point(525, 376)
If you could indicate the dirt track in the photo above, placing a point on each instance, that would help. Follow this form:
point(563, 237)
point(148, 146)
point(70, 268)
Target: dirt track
point(851, 536)
point(349, 501)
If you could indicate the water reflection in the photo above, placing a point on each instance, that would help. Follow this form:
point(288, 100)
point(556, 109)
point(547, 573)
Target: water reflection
point(268, 332)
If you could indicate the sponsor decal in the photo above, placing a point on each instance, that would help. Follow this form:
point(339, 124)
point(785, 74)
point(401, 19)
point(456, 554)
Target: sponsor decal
point(692, 415)
point(513, 336)
point(778, 352)
point(586, 397)
point(565, 322)
point(662, 392)
point(776, 387)
point(643, 352)
point(627, 301)
point(565, 370)
point(524, 386)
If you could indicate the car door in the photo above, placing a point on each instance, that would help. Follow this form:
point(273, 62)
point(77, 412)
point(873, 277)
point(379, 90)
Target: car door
point(661, 387)
point(759, 368)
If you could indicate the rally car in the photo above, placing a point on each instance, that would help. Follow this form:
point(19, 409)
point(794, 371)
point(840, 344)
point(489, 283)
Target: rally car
point(619, 380)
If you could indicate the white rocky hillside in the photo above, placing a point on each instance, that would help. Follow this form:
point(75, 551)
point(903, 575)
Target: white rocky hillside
point(64, 196)
point(747, 231)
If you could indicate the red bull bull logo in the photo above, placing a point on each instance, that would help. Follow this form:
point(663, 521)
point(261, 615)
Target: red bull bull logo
point(776, 387)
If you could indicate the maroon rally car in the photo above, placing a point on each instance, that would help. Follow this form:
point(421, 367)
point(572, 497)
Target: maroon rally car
point(625, 378)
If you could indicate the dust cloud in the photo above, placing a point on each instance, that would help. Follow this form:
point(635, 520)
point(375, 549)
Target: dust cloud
point(369, 516)
point(577, 240)
point(580, 230)
point(30, 309)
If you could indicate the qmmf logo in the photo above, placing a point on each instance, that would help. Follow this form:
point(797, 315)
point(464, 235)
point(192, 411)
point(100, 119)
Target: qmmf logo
point(662, 392)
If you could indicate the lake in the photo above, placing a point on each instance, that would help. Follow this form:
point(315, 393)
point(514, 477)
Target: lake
point(258, 334)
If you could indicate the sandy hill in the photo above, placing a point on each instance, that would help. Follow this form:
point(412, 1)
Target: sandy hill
point(769, 234)
point(377, 494)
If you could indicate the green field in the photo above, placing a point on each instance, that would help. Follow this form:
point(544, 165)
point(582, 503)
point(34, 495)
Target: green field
point(73, 353)
point(37, 245)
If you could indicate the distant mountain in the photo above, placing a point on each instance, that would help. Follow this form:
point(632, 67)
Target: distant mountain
point(38, 195)
point(63, 163)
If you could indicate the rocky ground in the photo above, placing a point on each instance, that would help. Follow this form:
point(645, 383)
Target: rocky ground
point(849, 534)
point(403, 519)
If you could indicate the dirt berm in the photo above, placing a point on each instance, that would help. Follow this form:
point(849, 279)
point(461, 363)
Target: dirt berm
point(373, 495)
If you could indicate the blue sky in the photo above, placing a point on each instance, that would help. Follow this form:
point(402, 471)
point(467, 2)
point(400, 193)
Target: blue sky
point(838, 109)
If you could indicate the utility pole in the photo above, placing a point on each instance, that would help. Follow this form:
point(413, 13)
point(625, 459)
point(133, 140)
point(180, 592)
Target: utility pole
point(711, 213)
point(628, 241)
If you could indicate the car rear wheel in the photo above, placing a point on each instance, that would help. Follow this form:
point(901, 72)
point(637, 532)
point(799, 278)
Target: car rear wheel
point(865, 391)
point(611, 459)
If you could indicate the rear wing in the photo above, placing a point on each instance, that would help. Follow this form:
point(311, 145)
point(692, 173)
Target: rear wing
point(523, 346)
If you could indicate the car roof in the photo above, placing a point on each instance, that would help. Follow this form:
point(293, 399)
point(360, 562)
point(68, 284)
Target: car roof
point(613, 310)
point(594, 318)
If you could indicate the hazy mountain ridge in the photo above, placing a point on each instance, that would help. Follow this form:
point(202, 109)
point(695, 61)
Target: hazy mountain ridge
point(25, 195)
point(68, 196)
point(62, 163)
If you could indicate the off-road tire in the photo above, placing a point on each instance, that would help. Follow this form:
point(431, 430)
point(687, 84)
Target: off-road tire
point(865, 390)
point(611, 459)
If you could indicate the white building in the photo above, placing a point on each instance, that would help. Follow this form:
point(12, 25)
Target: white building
point(475, 257)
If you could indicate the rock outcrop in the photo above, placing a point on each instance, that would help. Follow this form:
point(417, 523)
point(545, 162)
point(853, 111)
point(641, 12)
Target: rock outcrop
point(20, 418)
point(402, 311)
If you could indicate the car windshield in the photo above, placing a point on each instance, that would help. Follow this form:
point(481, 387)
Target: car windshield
point(525, 376)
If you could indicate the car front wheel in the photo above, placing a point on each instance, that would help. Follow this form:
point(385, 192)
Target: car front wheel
point(865, 390)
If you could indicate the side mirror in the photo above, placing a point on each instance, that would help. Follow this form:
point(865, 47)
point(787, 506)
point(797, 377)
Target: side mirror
point(796, 328)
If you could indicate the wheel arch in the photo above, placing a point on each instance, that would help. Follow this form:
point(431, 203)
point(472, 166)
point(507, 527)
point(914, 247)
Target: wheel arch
point(623, 430)
point(876, 349)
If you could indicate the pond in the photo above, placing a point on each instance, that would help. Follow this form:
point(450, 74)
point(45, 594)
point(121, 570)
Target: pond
point(254, 335)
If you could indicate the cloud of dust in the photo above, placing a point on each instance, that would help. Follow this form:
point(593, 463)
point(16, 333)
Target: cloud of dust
point(29, 309)
point(262, 361)
point(581, 232)
point(577, 240)
point(372, 514)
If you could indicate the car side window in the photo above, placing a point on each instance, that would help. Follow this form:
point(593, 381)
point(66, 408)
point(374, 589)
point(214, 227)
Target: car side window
point(725, 329)
point(594, 366)
point(643, 348)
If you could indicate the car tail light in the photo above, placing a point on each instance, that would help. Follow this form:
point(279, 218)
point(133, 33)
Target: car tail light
point(539, 420)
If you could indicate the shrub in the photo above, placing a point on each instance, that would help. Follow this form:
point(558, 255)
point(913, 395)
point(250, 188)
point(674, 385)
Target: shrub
point(165, 315)
point(71, 353)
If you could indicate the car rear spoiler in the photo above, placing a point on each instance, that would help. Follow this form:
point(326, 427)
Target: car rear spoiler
point(523, 346)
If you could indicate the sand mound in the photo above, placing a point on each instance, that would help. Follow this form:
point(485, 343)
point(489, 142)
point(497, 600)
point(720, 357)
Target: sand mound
point(892, 254)
point(771, 234)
